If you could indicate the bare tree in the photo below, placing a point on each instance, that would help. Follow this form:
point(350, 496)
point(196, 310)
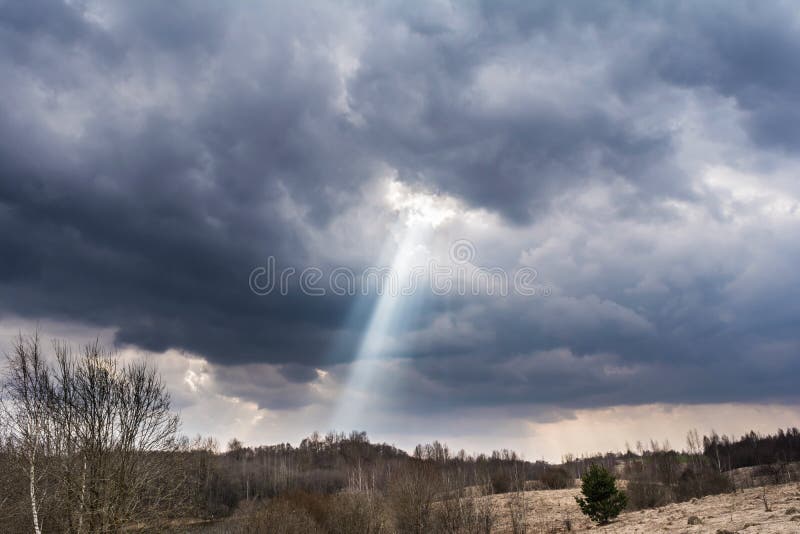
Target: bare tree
point(695, 447)
point(102, 429)
point(26, 415)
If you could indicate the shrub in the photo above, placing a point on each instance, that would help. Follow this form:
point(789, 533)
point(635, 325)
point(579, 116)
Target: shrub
point(278, 516)
point(355, 513)
point(501, 482)
point(601, 500)
point(463, 515)
point(707, 481)
point(642, 494)
point(410, 498)
point(694, 520)
point(517, 507)
point(557, 478)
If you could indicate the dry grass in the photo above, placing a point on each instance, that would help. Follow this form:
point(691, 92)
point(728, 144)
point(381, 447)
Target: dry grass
point(555, 511)
point(551, 511)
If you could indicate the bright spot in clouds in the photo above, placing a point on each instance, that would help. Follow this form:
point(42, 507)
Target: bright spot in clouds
point(419, 208)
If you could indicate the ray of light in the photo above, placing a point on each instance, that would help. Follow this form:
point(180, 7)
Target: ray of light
point(381, 337)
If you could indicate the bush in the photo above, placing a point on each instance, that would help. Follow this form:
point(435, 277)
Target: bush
point(557, 478)
point(693, 484)
point(355, 513)
point(642, 494)
point(463, 515)
point(501, 482)
point(301, 512)
point(410, 498)
point(601, 500)
point(278, 516)
point(517, 508)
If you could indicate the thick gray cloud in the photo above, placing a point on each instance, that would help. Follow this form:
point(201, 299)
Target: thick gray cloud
point(152, 155)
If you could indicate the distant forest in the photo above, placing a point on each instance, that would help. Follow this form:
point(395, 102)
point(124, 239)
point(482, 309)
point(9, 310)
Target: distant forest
point(337, 461)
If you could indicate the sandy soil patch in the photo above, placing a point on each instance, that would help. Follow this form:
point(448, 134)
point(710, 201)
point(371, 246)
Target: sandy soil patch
point(743, 511)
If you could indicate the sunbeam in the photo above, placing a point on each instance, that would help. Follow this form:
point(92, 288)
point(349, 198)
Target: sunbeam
point(419, 215)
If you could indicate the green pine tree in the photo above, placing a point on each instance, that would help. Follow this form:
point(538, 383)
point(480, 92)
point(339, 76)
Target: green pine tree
point(601, 500)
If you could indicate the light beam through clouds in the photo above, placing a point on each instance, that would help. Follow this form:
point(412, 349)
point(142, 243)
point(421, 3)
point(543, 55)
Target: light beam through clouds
point(419, 214)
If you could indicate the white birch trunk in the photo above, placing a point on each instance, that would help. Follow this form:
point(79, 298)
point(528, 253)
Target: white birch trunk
point(34, 504)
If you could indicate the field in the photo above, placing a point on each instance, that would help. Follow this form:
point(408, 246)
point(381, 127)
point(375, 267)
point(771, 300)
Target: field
point(743, 511)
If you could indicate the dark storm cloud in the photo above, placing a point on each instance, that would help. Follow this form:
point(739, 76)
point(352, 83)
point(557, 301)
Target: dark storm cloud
point(150, 223)
point(151, 155)
point(421, 92)
point(748, 52)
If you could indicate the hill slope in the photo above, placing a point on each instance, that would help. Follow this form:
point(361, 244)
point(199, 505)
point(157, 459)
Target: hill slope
point(551, 510)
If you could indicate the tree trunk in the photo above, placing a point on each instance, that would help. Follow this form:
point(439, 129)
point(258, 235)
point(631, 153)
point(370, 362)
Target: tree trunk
point(34, 504)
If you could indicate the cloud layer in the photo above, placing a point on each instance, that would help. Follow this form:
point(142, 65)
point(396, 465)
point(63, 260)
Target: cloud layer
point(641, 157)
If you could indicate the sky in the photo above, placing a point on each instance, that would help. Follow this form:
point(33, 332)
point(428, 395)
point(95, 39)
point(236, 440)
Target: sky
point(627, 171)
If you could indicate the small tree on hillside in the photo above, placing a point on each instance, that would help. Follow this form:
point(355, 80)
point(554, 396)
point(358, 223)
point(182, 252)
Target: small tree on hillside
point(601, 500)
